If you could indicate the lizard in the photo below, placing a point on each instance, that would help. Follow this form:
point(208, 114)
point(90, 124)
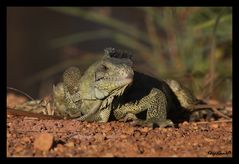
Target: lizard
point(112, 86)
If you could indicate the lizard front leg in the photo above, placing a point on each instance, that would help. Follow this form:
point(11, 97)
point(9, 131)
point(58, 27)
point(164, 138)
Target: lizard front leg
point(156, 105)
point(91, 112)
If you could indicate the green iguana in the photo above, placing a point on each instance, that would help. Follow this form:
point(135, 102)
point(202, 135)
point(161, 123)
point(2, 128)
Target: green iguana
point(111, 89)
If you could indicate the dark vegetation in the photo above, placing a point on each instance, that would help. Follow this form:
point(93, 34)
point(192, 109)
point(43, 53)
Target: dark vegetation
point(190, 44)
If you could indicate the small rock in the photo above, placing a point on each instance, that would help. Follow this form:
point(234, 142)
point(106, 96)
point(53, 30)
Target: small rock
point(144, 130)
point(194, 126)
point(8, 134)
point(59, 148)
point(43, 142)
point(107, 128)
point(185, 123)
point(25, 140)
point(137, 133)
point(18, 149)
point(70, 144)
point(214, 126)
point(129, 131)
point(99, 137)
point(209, 140)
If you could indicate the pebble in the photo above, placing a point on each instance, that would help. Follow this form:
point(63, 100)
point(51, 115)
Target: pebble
point(43, 142)
point(25, 140)
point(129, 131)
point(70, 144)
point(18, 149)
point(145, 130)
point(214, 126)
point(107, 128)
point(185, 123)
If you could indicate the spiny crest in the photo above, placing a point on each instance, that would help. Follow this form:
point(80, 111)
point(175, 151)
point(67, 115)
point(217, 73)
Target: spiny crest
point(117, 53)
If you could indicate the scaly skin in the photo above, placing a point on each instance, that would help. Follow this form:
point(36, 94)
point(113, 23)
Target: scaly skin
point(111, 85)
point(156, 106)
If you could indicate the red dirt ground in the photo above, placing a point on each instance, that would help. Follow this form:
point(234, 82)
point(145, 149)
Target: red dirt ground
point(33, 137)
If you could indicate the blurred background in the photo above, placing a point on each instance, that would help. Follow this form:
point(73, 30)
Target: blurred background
point(189, 44)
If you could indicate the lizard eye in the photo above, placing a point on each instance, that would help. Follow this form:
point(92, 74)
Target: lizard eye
point(104, 67)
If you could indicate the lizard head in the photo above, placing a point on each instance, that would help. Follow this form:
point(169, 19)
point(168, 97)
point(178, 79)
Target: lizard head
point(113, 73)
point(108, 77)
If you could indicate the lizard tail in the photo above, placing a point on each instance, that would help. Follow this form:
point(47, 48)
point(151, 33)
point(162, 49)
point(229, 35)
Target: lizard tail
point(19, 92)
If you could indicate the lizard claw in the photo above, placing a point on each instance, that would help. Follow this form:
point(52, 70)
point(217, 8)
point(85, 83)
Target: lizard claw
point(129, 117)
point(166, 123)
point(153, 124)
point(197, 115)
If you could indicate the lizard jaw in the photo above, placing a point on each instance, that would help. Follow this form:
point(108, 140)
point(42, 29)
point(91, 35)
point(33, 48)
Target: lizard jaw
point(125, 82)
point(122, 85)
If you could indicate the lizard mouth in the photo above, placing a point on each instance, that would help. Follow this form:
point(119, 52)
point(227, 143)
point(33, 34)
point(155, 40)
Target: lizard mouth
point(124, 83)
point(118, 81)
point(128, 79)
